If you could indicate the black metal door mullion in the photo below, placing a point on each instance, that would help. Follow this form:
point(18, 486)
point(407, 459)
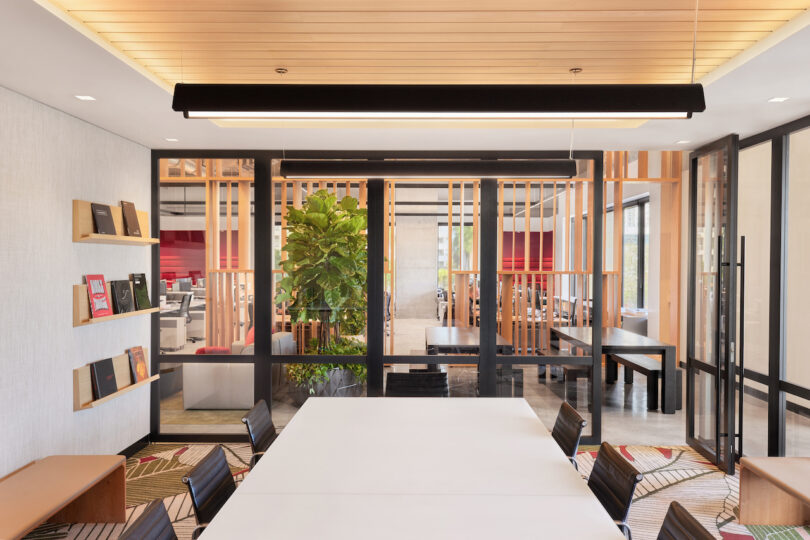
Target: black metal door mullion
point(375, 283)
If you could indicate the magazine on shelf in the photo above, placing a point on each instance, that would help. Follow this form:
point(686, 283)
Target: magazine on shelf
point(97, 293)
point(141, 291)
point(102, 217)
point(137, 361)
point(102, 374)
point(131, 224)
point(122, 296)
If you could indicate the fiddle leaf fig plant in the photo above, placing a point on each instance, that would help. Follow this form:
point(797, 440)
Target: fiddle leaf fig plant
point(326, 266)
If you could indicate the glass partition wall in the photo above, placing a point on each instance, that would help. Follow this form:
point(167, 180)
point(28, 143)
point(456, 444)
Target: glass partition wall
point(331, 287)
point(432, 283)
point(769, 399)
point(797, 367)
point(205, 287)
point(319, 297)
point(545, 280)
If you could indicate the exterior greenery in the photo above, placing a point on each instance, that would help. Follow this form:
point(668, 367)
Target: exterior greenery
point(325, 280)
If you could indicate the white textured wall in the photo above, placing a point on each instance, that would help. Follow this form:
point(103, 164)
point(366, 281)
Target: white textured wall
point(47, 159)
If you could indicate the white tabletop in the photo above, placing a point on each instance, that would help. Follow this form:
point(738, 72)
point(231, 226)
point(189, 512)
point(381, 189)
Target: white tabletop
point(413, 468)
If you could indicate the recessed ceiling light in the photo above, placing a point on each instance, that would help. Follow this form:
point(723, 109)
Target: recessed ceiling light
point(682, 142)
point(172, 139)
point(778, 99)
point(85, 98)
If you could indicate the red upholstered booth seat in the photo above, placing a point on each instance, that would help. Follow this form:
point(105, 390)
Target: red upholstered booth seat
point(213, 350)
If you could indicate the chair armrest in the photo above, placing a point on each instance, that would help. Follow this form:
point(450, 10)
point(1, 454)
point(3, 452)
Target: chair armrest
point(198, 531)
point(254, 459)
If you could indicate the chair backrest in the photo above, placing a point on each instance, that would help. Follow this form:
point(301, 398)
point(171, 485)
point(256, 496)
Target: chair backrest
point(679, 524)
point(261, 430)
point(637, 325)
point(425, 384)
point(152, 524)
point(210, 483)
point(573, 310)
point(613, 480)
point(568, 429)
point(184, 305)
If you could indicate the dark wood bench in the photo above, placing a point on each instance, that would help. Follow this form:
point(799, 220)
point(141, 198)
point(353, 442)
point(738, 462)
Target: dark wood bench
point(648, 366)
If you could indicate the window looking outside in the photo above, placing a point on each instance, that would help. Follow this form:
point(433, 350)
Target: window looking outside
point(462, 258)
point(635, 253)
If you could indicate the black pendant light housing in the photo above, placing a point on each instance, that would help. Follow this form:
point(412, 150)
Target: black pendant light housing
point(429, 168)
point(474, 101)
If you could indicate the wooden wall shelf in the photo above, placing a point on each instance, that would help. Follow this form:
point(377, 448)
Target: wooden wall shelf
point(83, 386)
point(96, 238)
point(83, 227)
point(81, 308)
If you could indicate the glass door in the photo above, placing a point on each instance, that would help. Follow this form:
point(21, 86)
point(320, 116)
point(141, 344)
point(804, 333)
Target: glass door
point(712, 300)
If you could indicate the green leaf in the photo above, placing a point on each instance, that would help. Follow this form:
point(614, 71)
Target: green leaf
point(318, 219)
point(348, 203)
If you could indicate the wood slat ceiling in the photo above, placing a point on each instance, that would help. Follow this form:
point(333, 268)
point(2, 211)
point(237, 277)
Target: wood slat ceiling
point(429, 41)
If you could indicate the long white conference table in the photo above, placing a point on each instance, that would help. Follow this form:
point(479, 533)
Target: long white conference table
point(413, 468)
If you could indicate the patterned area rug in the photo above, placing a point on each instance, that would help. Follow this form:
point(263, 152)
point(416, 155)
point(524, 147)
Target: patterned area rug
point(679, 473)
point(670, 473)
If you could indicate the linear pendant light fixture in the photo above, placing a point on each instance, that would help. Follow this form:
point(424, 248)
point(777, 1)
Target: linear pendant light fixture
point(443, 102)
point(429, 168)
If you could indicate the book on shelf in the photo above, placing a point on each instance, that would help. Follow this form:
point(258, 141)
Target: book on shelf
point(141, 291)
point(137, 361)
point(102, 375)
point(122, 296)
point(131, 224)
point(102, 217)
point(97, 292)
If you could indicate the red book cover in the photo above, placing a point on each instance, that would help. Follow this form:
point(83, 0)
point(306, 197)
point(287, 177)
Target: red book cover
point(99, 300)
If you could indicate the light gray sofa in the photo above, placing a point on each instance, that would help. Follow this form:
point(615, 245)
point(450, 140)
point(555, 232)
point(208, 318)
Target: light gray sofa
point(230, 386)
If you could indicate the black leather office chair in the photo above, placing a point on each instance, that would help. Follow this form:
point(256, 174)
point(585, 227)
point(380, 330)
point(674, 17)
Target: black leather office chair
point(568, 430)
point(181, 311)
point(153, 524)
point(613, 480)
point(679, 524)
point(210, 484)
point(420, 384)
point(260, 428)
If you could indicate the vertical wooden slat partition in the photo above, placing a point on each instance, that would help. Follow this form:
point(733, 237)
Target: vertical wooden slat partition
point(534, 297)
point(669, 181)
point(525, 320)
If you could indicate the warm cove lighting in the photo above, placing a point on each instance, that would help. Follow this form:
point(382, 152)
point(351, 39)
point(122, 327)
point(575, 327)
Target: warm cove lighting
point(443, 102)
point(428, 168)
